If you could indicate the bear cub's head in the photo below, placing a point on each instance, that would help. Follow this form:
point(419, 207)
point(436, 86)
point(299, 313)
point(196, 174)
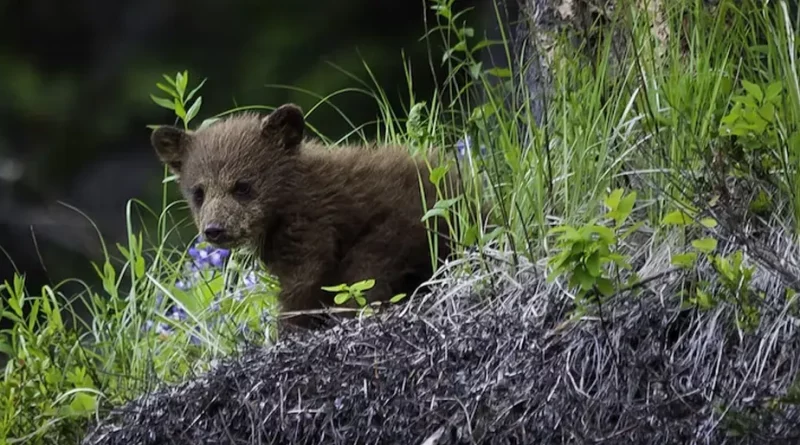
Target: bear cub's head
point(235, 172)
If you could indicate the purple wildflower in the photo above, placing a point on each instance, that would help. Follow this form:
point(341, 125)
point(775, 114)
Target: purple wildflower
point(177, 313)
point(250, 280)
point(194, 339)
point(464, 145)
point(163, 329)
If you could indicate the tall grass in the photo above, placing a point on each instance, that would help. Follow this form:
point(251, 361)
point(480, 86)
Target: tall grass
point(661, 121)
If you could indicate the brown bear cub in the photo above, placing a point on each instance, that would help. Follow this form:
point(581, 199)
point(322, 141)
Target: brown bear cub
point(315, 216)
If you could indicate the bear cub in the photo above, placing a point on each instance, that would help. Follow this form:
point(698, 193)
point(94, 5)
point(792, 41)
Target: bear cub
point(315, 216)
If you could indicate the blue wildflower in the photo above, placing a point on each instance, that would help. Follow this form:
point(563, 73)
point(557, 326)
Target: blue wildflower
point(464, 145)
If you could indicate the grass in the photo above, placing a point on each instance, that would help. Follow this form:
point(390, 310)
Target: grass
point(648, 145)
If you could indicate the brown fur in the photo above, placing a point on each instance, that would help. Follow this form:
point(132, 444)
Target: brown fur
point(316, 216)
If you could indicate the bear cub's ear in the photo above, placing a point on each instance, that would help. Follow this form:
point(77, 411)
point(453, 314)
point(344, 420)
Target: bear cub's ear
point(284, 126)
point(170, 145)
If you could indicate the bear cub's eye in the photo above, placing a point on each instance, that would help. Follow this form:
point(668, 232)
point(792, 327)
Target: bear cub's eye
point(198, 195)
point(242, 189)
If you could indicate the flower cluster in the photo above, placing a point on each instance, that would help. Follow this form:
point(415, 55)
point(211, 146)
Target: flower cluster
point(204, 262)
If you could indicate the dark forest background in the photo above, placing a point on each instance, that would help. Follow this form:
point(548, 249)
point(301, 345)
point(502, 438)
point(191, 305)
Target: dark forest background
point(75, 85)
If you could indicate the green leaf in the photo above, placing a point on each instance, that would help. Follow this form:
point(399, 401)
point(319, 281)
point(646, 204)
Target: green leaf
point(83, 403)
point(16, 305)
point(626, 206)
point(471, 235)
point(437, 174)
point(613, 199)
point(605, 286)
point(753, 90)
point(605, 233)
point(678, 217)
point(179, 110)
point(705, 245)
point(499, 72)
point(684, 260)
point(583, 278)
point(195, 90)
point(443, 10)
point(593, 264)
point(341, 298)
point(434, 212)
point(767, 112)
point(709, 222)
point(491, 236)
point(181, 80)
point(139, 267)
point(338, 288)
point(397, 298)
point(773, 91)
point(446, 203)
point(363, 285)
point(164, 103)
point(168, 79)
point(167, 89)
point(194, 109)
point(475, 70)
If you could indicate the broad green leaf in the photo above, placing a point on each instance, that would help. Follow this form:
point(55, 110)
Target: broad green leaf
point(678, 217)
point(612, 200)
point(341, 298)
point(684, 260)
point(363, 285)
point(773, 91)
point(709, 222)
point(604, 232)
point(83, 403)
point(753, 90)
point(605, 286)
point(593, 264)
point(437, 174)
point(705, 245)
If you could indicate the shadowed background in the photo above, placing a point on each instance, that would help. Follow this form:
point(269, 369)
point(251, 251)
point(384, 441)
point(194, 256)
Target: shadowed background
point(74, 99)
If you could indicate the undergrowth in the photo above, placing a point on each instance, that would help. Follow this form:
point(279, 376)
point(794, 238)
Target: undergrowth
point(649, 153)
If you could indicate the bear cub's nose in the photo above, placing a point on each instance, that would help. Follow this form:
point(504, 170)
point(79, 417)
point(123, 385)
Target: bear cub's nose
point(215, 233)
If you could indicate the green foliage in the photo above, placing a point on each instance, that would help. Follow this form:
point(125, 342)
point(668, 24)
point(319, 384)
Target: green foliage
point(586, 254)
point(180, 103)
point(753, 122)
point(355, 292)
point(733, 273)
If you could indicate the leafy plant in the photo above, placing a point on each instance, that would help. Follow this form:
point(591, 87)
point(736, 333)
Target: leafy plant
point(355, 292)
point(584, 252)
point(179, 101)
